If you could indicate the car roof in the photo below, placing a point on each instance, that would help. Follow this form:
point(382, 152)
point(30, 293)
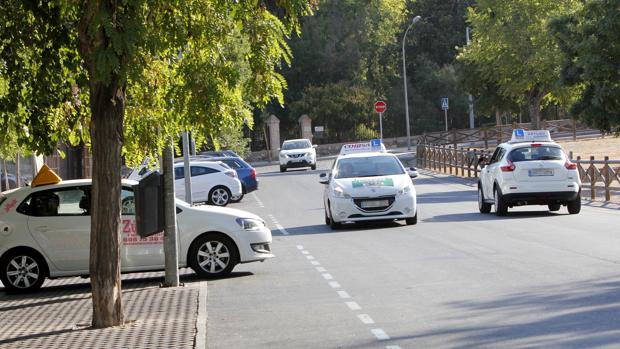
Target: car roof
point(512, 145)
point(68, 183)
point(365, 155)
point(296, 140)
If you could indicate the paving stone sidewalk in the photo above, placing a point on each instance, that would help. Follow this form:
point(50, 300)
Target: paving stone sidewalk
point(59, 315)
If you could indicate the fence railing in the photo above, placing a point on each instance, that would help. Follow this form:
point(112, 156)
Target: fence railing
point(599, 178)
point(499, 133)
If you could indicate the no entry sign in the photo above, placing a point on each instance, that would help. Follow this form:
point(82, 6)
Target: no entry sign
point(380, 106)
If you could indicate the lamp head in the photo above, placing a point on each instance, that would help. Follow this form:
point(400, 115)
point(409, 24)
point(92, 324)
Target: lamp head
point(416, 19)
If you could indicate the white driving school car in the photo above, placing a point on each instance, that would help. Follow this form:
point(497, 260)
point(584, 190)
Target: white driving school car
point(45, 232)
point(530, 169)
point(367, 183)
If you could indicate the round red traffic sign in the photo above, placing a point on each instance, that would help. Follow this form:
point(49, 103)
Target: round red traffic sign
point(380, 106)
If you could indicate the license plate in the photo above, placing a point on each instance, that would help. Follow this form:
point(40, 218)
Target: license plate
point(540, 172)
point(375, 203)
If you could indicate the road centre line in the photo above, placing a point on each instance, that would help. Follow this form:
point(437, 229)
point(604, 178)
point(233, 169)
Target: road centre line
point(334, 284)
point(365, 318)
point(305, 252)
point(315, 263)
point(380, 334)
point(392, 347)
point(343, 294)
point(258, 201)
point(353, 305)
point(310, 257)
point(300, 247)
point(327, 276)
point(321, 269)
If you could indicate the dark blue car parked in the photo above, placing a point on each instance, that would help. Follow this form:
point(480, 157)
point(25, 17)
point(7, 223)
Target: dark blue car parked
point(246, 173)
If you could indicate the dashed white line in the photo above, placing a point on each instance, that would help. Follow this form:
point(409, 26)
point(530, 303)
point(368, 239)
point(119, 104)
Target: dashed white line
point(365, 318)
point(353, 305)
point(380, 334)
point(334, 284)
point(300, 247)
point(305, 252)
point(281, 229)
point(343, 294)
point(260, 203)
point(392, 347)
point(315, 263)
point(310, 257)
point(321, 269)
point(327, 276)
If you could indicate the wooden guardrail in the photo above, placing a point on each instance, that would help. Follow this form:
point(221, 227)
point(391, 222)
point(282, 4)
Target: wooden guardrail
point(598, 177)
point(499, 133)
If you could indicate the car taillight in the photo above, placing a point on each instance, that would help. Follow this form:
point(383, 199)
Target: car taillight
point(570, 165)
point(536, 145)
point(232, 174)
point(508, 168)
point(253, 174)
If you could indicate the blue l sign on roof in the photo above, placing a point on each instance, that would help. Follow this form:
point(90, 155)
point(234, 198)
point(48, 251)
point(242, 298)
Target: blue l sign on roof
point(375, 143)
point(519, 132)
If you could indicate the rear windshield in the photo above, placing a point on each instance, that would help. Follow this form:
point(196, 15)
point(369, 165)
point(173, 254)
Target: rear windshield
point(296, 145)
point(536, 152)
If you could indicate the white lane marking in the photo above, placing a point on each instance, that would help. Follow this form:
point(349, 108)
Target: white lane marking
point(305, 252)
point(321, 269)
point(380, 334)
point(327, 276)
point(343, 294)
point(353, 305)
point(281, 229)
point(260, 203)
point(334, 284)
point(392, 347)
point(201, 320)
point(366, 319)
point(300, 247)
point(310, 257)
point(315, 263)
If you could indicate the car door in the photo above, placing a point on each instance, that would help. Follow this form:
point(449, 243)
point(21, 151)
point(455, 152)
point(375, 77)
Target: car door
point(137, 253)
point(489, 173)
point(179, 183)
point(59, 221)
point(203, 179)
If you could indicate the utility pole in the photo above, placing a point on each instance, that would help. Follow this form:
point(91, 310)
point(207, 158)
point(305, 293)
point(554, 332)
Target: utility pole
point(170, 219)
point(470, 97)
point(186, 169)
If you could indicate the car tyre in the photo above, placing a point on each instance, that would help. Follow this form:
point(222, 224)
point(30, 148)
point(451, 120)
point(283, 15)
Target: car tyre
point(332, 223)
point(313, 167)
point(554, 207)
point(282, 168)
point(22, 271)
point(213, 256)
point(500, 206)
point(413, 220)
point(237, 199)
point(483, 207)
point(219, 196)
point(574, 207)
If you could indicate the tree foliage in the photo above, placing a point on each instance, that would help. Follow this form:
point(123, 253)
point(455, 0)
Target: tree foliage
point(589, 40)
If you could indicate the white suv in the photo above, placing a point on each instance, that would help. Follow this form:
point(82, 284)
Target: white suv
point(297, 153)
point(531, 169)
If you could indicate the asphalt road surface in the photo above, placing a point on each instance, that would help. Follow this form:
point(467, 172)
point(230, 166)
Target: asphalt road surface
point(457, 279)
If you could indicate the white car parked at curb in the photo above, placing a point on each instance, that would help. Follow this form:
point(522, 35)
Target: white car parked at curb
point(531, 169)
point(45, 232)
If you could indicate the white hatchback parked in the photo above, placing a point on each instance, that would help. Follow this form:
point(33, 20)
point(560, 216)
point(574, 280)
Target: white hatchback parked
point(45, 232)
point(213, 182)
point(531, 169)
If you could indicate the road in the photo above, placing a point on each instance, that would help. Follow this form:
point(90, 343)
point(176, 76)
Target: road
point(457, 279)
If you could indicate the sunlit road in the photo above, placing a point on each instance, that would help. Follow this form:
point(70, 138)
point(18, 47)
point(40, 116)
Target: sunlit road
point(457, 279)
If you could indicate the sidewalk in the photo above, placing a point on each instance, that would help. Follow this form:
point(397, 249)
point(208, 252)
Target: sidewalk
point(59, 315)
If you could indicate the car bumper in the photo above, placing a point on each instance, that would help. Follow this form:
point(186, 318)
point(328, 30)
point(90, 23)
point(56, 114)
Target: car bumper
point(540, 194)
point(345, 210)
point(254, 245)
point(297, 162)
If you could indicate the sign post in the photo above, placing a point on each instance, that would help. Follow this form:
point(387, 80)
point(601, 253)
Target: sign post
point(380, 107)
point(444, 106)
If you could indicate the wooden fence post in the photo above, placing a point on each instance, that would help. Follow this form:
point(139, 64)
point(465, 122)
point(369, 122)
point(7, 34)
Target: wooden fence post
point(475, 163)
point(468, 159)
point(574, 130)
point(486, 139)
point(607, 179)
point(592, 171)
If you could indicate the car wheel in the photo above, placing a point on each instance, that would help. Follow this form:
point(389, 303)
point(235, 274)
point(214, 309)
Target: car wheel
point(574, 206)
point(332, 223)
point(219, 196)
point(500, 206)
point(213, 255)
point(282, 169)
point(554, 207)
point(327, 220)
point(22, 271)
point(413, 220)
point(237, 199)
point(313, 167)
point(484, 207)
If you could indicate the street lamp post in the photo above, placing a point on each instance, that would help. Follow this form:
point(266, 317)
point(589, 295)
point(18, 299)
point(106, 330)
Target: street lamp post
point(413, 21)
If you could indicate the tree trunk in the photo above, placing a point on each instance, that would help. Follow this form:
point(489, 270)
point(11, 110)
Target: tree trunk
point(534, 97)
point(18, 171)
point(498, 117)
point(106, 127)
point(6, 175)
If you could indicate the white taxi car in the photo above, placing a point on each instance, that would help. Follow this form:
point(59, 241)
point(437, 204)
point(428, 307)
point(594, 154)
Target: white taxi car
point(530, 169)
point(297, 153)
point(367, 183)
point(45, 232)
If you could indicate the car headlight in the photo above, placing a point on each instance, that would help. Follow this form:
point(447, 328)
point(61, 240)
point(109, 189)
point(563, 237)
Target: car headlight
point(250, 224)
point(309, 154)
point(282, 155)
point(405, 190)
point(339, 193)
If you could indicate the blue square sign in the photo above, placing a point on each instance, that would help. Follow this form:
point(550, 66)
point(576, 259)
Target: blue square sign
point(519, 132)
point(375, 142)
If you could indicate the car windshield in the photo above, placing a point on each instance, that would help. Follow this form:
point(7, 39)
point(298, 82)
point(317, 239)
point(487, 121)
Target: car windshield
point(296, 145)
point(369, 166)
point(536, 152)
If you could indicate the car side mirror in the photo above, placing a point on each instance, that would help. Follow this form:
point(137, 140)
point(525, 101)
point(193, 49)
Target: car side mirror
point(324, 178)
point(413, 172)
point(483, 161)
point(314, 146)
